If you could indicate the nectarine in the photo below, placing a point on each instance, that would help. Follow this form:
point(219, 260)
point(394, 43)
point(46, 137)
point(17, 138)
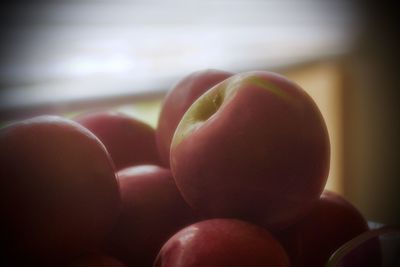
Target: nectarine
point(254, 147)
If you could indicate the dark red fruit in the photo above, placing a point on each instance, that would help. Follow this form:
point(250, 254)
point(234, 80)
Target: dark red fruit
point(152, 211)
point(129, 141)
point(58, 193)
point(333, 222)
point(222, 243)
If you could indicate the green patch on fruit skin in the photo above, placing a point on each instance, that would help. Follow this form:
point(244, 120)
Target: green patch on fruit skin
point(208, 104)
point(250, 78)
point(268, 86)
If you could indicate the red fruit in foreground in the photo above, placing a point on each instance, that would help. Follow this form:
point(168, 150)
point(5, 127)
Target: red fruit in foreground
point(152, 211)
point(178, 100)
point(333, 222)
point(95, 260)
point(253, 147)
point(222, 243)
point(129, 141)
point(58, 193)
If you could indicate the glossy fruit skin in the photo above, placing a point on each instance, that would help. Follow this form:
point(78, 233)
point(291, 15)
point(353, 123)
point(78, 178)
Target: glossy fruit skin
point(152, 211)
point(94, 260)
point(58, 192)
point(129, 141)
point(254, 147)
point(178, 100)
point(332, 222)
point(222, 243)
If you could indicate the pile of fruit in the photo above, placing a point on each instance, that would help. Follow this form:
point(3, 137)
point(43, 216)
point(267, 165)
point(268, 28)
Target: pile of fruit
point(233, 176)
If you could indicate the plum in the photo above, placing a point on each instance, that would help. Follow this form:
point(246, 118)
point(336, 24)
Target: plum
point(128, 140)
point(152, 210)
point(222, 243)
point(59, 196)
point(333, 222)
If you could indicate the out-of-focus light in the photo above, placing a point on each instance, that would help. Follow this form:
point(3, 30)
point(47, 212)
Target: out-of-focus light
point(70, 51)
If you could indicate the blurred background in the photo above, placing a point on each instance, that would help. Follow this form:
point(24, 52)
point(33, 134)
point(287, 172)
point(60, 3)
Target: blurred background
point(66, 57)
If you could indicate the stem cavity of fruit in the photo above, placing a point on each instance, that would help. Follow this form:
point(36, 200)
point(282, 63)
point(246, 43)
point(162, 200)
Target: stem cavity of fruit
point(200, 111)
